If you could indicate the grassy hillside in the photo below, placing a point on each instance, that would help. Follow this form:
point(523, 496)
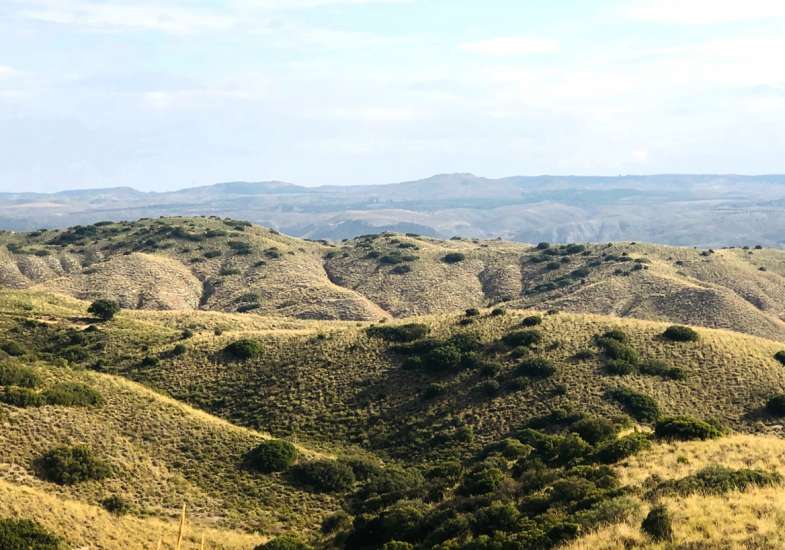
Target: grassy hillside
point(460, 420)
point(231, 266)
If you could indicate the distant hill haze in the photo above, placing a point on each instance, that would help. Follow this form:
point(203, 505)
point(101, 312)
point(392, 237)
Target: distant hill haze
point(687, 210)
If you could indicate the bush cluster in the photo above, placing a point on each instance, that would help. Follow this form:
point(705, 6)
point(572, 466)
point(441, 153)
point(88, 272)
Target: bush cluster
point(70, 465)
point(244, 349)
point(271, 456)
point(328, 476)
point(399, 333)
point(24, 534)
point(685, 428)
point(641, 407)
point(679, 333)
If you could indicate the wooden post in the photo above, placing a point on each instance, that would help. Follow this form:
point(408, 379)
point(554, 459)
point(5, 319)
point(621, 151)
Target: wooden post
point(182, 529)
point(202, 545)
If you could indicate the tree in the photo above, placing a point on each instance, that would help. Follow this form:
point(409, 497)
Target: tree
point(104, 309)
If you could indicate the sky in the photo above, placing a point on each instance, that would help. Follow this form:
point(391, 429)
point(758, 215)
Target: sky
point(168, 94)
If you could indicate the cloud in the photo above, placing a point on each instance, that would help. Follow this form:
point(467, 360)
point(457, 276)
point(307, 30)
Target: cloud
point(703, 12)
point(6, 71)
point(512, 45)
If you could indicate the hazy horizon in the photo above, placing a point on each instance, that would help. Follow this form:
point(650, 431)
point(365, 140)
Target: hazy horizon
point(338, 92)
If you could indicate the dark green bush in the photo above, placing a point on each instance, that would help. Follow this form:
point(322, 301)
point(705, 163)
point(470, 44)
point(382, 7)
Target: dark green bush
point(531, 321)
point(536, 367)
point(271, 456)
point(499, 311)
point(104, 309)
point(453, 257)
point(685, 428)
point(679, 333)
point(775, 406)
point(24, 534)
point(401, 269)
point(619, 367)
point(522, 338)
point(116, 505)
point(432, 391)
point(14, 349)
point(618, 449)
point(400, 333)
point(489, 388)
point(615, 334)
point(614, 349)
point(15, 375)
point(21, 397)
point(717, 480)
point(472, 312)
point(657, 524)
point(641, 407)
point(69, 465)
point(594, 430)
point(72, 394)
point(325, 475)
point(780, 356)
point(283, 543)
point(244, 349)
point(481, 480)
point(661, 369)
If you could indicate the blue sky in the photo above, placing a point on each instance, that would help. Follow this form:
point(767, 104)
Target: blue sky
point(169, 94)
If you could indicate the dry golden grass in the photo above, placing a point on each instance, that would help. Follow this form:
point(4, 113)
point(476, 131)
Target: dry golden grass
point(86, 526)
point(750, 519)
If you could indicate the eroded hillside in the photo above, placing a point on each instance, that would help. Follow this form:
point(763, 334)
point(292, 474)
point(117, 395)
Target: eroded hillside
point(231, 266)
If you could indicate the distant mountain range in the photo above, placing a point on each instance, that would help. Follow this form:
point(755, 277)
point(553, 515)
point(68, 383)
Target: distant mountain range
point(692, 210)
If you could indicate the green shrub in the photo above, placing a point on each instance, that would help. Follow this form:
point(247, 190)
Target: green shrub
point(641, 407)
point(594, 430)
point(339, 521)
point(531, 321)
point(116, 505)
point(453, 257)
point(618, 449)
point(472, 312)
point(24, 534)
point(780, 356)
point(717, 480)
point(14, 375)
point(283, 543)
point(271, 456)
point(657, 524)
point(179, 349)
point(619, 367)
point(685, 428)
point(21, 397)
point(499, 311)
point(536, 367)
point(615, 334)
point(397, 545)
point(432, 391)
point(400, 333)
point(69, 465)
point(14, 349)
point(661, 369)
point(72, 394)
point(104, 309)
point(481, 480)
point(244, 349)
point(401, 269)
point(325, 475)
point(522, 338)
point(543, 246)
point(489, 388)
point(775, 406)
point(614, 349)
point(679, 333)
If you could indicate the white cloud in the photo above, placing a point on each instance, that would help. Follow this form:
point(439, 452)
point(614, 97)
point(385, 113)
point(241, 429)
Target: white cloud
point(512, 45)
point(703, 12)
point(6, 71)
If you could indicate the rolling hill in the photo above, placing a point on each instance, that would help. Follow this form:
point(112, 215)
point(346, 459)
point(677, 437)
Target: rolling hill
point(392, 401)
point(226, 265)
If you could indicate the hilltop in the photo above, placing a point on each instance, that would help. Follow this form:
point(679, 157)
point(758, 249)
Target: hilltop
point(232, 266)
point(677, 209)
